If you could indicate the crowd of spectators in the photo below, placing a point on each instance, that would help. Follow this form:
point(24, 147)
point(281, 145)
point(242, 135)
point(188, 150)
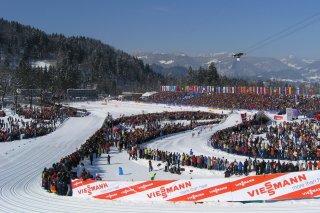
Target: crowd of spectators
point(286, 141)
point(264, 155)
point(33, 122)
point(2, 113)
point(136, 120)
point(239, 101)
point(137, 129)
point(174, 161)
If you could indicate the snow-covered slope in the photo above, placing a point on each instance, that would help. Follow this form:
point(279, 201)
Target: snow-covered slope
point(256, 68)
point(166, 62)
point(20, 168)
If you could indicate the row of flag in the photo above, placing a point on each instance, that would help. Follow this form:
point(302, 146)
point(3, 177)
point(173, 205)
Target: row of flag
point(236, 90)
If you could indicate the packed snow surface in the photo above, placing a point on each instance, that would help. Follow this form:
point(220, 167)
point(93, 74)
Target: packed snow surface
point(21, 164)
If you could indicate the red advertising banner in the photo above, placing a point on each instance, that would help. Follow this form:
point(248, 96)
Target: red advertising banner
point(278, 117)
point(282, 186)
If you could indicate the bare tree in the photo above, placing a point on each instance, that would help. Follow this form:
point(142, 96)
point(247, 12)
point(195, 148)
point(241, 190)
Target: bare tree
point(5, 80)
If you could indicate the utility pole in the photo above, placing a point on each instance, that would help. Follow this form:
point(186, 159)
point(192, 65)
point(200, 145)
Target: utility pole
point(16, 93)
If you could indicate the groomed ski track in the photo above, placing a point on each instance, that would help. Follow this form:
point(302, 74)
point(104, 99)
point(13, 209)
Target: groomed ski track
point(21, 164)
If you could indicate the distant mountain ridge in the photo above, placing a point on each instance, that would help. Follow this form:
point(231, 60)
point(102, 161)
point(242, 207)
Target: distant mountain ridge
point(253, 68)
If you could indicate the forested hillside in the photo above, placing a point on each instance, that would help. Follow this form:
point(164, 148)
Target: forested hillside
point(71, 62)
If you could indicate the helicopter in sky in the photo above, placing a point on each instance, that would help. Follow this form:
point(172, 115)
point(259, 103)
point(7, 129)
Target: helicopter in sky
point(238, 55)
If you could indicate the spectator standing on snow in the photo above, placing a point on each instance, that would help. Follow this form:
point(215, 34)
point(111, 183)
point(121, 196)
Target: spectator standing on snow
point(150, 166)
point(249, 164)
point(240, 168)
point(108, 159)
point(245, 167)
point(91, 156)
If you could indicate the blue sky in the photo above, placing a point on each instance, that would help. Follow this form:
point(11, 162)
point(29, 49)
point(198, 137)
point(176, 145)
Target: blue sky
point(189, 26)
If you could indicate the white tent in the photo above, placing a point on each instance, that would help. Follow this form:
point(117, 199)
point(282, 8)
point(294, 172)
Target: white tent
point(148, 94)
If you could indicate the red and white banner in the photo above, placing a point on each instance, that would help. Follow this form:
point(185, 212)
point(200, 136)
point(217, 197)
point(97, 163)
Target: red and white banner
point(295, 185)
point(278, 117)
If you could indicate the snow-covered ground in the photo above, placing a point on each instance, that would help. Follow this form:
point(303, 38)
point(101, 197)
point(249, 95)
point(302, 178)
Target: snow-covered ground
point(21, 164)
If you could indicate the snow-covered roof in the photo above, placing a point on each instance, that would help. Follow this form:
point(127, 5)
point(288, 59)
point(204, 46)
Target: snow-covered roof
point(148, 94)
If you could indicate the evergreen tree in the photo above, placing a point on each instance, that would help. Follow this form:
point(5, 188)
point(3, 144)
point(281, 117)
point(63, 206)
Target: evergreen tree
point(212, 75)
point(201, 76)
point(190, 76)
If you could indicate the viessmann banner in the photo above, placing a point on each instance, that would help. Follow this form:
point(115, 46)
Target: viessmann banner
point(295, 185)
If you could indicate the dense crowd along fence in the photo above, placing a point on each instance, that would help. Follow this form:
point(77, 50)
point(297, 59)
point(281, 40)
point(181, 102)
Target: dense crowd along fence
point(118, 133)
point(304, 104)
point(28, 122)
point(239, 90)
point(287, 141)
point(62, 179)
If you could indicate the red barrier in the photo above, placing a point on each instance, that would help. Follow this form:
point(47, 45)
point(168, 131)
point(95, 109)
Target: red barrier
point(295, 185)
point(278, 117)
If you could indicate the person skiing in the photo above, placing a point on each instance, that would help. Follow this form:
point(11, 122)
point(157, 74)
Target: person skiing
point(191, 153)
point(98, 177)
point(153, 176)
